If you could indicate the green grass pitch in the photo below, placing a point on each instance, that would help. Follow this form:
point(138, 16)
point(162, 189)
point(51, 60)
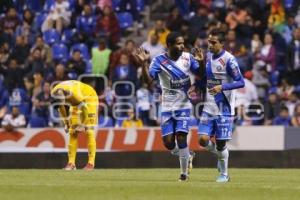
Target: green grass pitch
point(148, 184)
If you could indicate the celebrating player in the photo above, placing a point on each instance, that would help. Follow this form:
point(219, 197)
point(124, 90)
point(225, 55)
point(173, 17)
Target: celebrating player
point(173, 69)
point(223, 76)
point(77, 104)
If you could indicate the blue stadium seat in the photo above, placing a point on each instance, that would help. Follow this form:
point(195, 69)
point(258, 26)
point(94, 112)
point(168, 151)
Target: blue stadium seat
point(33, 5)
point(89, 67)
point(48, 4)
point(125, 20)
point(67, 35)
point(140, 5)
point(83, 49)
point(60, 51)
point(51, 36)
point(37, 122)
point(116, 5)
point(39, 20)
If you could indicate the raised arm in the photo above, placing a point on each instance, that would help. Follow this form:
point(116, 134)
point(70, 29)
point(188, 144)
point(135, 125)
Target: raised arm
point(143, 58)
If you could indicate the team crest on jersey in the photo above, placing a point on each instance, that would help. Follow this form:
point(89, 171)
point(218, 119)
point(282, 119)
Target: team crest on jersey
point(219, 68)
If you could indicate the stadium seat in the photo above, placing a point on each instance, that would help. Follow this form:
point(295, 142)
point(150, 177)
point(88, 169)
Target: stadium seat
point(39, 20)
point(140, 5)
point(37, 122)
point(83, 49)
point(125, 20)
point(51, 36)
point(60, 51)
point(33, 5)
point(89, 67)
point(67, 35)
point(116, 5)
point(48, 4)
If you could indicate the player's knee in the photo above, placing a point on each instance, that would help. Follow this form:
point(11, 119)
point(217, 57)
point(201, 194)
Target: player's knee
point(181, 140)
point(203, 140)
point(221, 145)
point(169, 142)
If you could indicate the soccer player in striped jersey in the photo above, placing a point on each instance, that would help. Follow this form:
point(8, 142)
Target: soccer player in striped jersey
point(173, 69)
point(223, 76)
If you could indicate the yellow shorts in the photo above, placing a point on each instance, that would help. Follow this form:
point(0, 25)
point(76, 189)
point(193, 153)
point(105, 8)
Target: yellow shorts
point(75, 114)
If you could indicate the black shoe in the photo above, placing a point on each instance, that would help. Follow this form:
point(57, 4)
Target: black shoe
point(183, 177)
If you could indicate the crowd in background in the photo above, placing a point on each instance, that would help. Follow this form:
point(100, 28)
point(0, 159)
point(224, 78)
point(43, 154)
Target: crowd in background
point(42, 42)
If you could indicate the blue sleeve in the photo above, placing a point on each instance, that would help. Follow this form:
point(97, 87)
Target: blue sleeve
point(233, 71)
point(154, 68)
point(194, 65)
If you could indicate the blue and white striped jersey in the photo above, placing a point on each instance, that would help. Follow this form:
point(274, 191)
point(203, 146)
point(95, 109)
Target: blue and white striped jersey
point(174, 78)
point(222, 70)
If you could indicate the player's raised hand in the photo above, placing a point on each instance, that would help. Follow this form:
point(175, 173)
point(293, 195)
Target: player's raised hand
point(198, 54)
point(216, 89)
point(142, 55)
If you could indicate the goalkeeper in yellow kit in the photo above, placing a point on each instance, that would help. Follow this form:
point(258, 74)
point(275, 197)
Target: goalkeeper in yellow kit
point(77, 104)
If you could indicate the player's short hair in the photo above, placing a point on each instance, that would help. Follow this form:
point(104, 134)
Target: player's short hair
point(171, 38)
point(218, 33)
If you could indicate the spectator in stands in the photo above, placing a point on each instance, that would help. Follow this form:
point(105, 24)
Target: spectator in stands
point(267, 55)
point(85, 25)
point(272, 108)
point(38, 79)
point(35, 62)
point(143, 103)
point(18, 97)
point(125, 72)
point(13, 74)
point(8, 25)
point(283, 119)
point(58, 17)
point(247, 95)
point(174, 21)
point(128, 49)
point(232, 44)
point(13, 120)
point(285, 89)
point(235, 17)
point(261, 80)
point(153, 46)
point(161, 30)
point(199, 21)
point(100, 58)
point(28, 83)
point(75, 65)
point(60, 74)
point(42, 102)
point(256, 44)
point(46, 51)
point(296, 116)
point(293, 57)
point(108, 26)
point(132, 121)
point(293, 101)
point(26, 27)
point(21, 50)
point(4, 53)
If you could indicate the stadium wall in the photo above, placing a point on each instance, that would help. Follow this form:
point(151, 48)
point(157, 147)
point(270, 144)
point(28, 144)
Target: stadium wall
point(263, 147)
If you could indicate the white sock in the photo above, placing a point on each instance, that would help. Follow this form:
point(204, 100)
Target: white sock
point(223, 161)
point(211, 147)
point(184, 160)
point(175, 151)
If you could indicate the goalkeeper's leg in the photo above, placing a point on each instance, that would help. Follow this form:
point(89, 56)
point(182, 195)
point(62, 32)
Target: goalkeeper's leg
point(90, 133)
point(72, 149)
